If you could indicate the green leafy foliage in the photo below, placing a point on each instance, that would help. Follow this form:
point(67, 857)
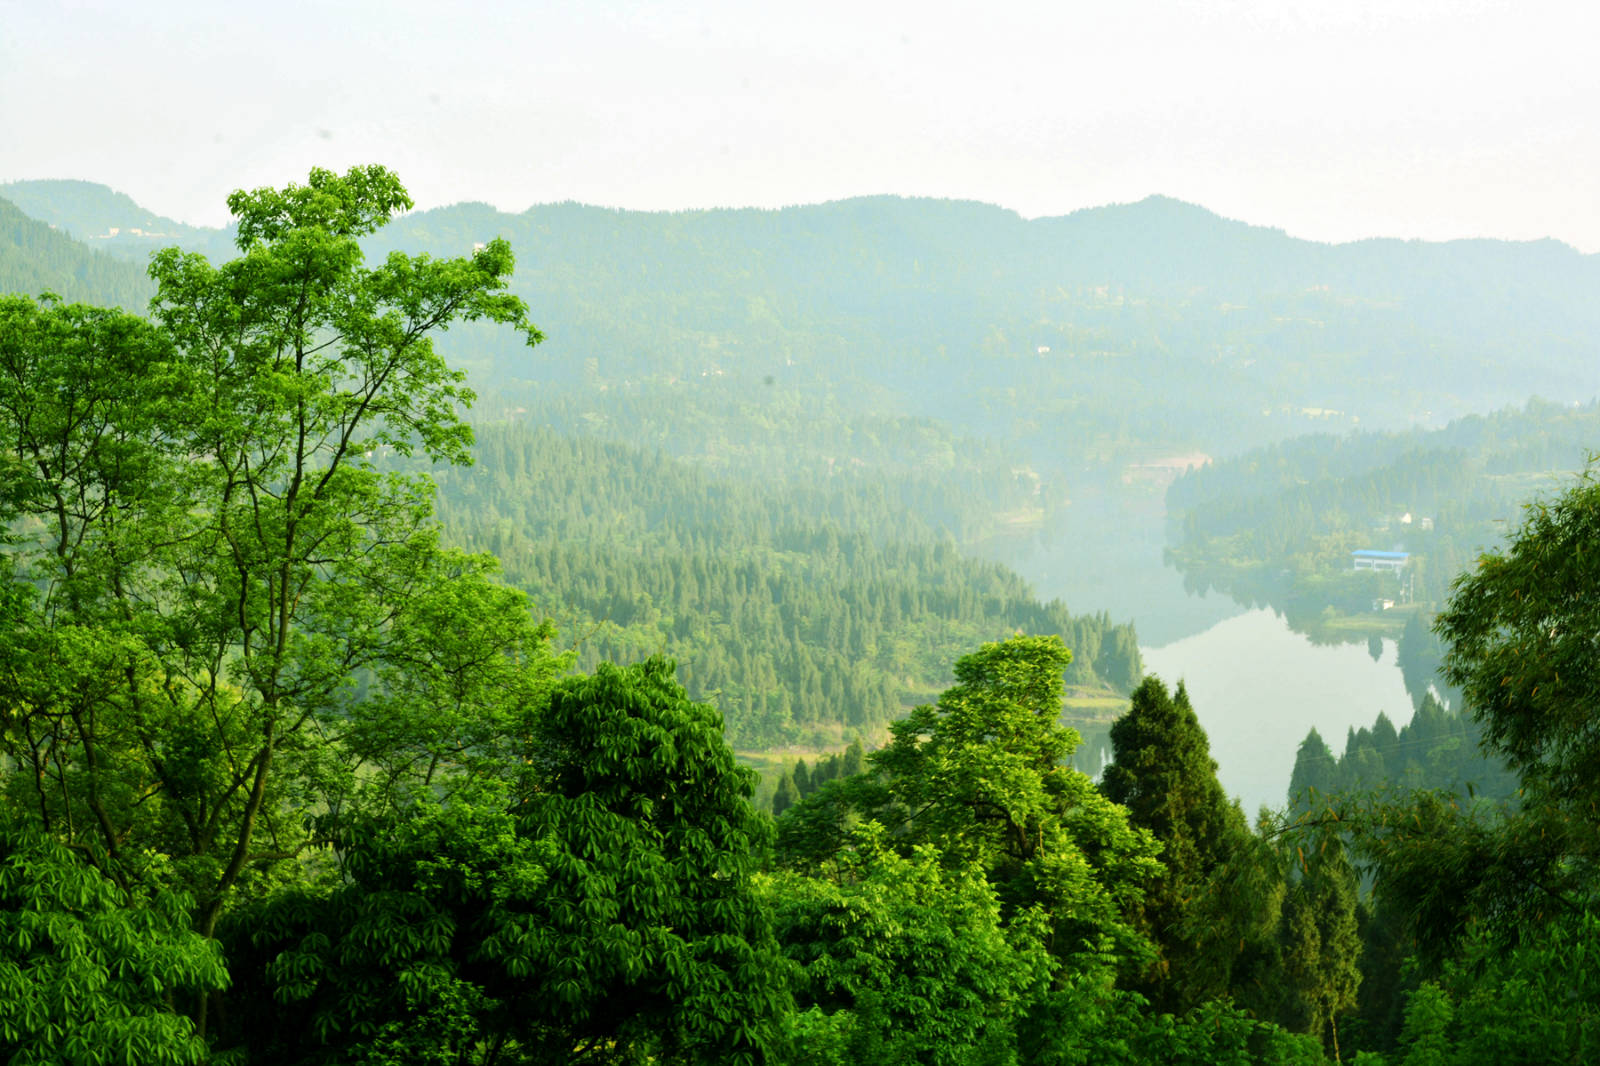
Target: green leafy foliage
point(982, 775)
point(236, 660)
point(1535, 1003)
point(465, 667)
point(1087, 1021)
point(1319, 943)
point(602, 911)
point(386, 965)
point(973, 792)
point(647, 935)
point(902, 960)
point(1444, 873)
point(210, 574)
point(1520, 630)
point(1457, 875)
point(1451, 867)
point(89, 973)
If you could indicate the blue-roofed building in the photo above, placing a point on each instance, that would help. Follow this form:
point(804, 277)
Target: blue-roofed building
point(1367, 559)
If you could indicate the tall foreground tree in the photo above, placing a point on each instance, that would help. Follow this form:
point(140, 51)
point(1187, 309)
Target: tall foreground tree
point(982, 775)
point(1320, 944)
point(605, 914)
point(213, 590)
point(1521, 630)
point(1013, 880)
point(1195, 913)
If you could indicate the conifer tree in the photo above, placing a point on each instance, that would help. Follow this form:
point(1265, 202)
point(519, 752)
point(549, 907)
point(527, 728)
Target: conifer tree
point(1384, 734)
point(802, 779)
point(1320, 943)
point(1162, 771)
point(786, 795)
point(1315, 770)
point(854, 760)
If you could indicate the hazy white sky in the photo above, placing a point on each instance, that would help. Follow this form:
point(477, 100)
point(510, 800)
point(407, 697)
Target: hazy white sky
point(1335, 120)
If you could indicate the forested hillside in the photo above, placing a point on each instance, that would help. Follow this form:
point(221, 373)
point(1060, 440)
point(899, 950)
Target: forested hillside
point(1150, 311)
point(35, 259)
point(1111, 334)
point(1277, 524)
point(804, 609)
point(808, 572)
point(110, 221)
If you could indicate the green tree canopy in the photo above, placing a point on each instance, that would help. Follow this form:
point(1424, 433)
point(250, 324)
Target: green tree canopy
point(902, 960)
point(387, 962)
point(89, 973)
point(1533, 1003)
point(1521, 633)
point(601, 911)
point(647, 934)
point(225, 615)
point(1319, 942)
point(982, 776)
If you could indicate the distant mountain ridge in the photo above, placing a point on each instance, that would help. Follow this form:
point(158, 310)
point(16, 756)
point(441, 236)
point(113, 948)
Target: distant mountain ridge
point(89, 210)
point(35, 258)
point(1152, 227)
point(1146, 325)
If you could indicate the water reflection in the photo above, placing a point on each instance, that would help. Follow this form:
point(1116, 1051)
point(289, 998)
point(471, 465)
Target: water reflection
point(1258, 688)
point(1104, 553)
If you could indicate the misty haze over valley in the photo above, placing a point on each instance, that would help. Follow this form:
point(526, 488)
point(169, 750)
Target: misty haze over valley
point(1035, 537)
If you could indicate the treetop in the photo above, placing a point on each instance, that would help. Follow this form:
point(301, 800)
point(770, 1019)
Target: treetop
point(355, 204)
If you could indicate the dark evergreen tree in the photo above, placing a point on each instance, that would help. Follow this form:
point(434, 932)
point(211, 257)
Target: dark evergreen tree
point(802, 779)
point(786, 795)
point(1320, 942)
point(854, 761)
point(1384, 735)
point(1314, 771)
point(1163, 773)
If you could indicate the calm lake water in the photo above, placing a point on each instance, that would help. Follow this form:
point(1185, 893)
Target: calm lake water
point(1258, 688)
point(1256, 685)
